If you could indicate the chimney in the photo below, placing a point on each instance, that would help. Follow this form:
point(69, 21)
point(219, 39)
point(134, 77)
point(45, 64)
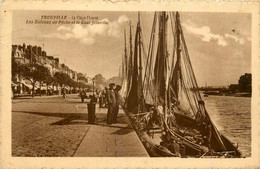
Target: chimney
point(34, 49)
point(57, 60)
point(24, 47)
point(14, 47)
point(29, 47)
point(39, 51)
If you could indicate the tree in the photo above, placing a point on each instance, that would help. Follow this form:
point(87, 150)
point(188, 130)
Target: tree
point(115, 79)
point(15, 68)
point(100, 80)
point(54, 83)
point(48, 80)
point(82, 77)
point(34, 73)
point(62, 78)
point(71, 83)
point(81, 85)
point(44, 75)
point(245, 82)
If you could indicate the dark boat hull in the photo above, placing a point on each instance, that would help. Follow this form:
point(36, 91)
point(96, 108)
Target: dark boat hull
point(184, 119)
point(156, 150)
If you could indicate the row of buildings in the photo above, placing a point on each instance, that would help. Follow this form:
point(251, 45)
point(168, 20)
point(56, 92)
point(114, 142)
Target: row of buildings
point(23, 54)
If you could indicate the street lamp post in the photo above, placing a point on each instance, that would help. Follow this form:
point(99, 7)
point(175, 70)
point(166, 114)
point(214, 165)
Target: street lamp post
point(93, 80)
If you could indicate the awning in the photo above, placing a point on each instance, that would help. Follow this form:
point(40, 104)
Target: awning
point(43, 88)
point(14, 84)
point(27, 81)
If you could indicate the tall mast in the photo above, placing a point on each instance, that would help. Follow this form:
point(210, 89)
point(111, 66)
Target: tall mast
point(178, 53)
point(139, 45)
point(164, 54)
point(129, 65)
point(140, 74)
point(130, 82)
point(125, 56)
point(123, 69)
point(131, 47)
point(160, 69)
point(135, 99)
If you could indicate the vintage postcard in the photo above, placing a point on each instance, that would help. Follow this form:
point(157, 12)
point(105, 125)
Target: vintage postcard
point(128, 85)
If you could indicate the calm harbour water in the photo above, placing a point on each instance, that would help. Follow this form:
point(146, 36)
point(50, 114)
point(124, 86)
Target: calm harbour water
point(232, 117)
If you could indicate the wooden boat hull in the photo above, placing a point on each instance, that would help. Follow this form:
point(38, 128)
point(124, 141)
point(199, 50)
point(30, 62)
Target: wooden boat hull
point(184, 119)
point(156, 150)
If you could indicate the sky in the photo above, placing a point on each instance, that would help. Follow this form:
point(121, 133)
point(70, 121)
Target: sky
point(219, 44)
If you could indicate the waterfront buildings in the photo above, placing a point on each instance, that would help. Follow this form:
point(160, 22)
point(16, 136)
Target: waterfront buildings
point(26, 54)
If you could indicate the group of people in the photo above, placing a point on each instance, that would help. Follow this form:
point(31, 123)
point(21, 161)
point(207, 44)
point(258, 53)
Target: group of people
point(108, 98)
point(111, 98)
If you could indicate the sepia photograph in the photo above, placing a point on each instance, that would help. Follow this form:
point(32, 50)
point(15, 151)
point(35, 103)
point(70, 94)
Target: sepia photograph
point(131, 84)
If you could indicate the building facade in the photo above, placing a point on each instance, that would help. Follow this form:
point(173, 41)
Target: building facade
point(22, 54)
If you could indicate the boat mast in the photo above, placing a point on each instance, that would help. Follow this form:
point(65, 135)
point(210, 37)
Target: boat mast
point(129, 65)
point(135, 92)
point(131, 47)
point(178, 53)
point(164, 54)
point(140, 74)
point(160, 69)
point(125, 57)
point(139, 46)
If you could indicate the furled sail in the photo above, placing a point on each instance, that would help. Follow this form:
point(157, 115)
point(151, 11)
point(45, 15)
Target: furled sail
point(123, 91)
point(160, 69)
point(135, 97)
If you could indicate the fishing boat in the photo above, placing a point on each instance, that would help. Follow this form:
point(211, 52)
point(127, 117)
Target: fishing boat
point(162, 99)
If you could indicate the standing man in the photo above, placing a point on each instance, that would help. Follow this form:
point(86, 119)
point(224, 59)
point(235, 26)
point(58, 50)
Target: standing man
point(105, 97)
point(111, 99)
point(82, 95)
point(118, 100)
point(63, 91)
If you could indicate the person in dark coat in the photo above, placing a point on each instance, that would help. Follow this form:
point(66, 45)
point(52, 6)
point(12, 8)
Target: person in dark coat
point(63, 92)
point(82, 95)
point(117, 89)
point(105, 97)
point(111, 99)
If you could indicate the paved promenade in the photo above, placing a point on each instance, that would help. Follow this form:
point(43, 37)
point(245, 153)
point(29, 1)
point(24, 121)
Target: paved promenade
point(117, 140)
point(57, 127)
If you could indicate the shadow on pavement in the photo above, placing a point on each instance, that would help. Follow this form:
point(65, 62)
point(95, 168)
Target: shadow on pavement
point(21, 98)
point(113, 126)
point(82, 119)
point(124, 130)
point(49, 101)
point(68, 117)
